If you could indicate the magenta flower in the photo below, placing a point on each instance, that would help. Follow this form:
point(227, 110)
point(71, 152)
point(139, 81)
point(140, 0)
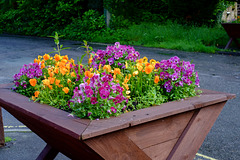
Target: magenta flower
point(88, 91)
point(94, 100)
point(104, 93)
point(114, 110)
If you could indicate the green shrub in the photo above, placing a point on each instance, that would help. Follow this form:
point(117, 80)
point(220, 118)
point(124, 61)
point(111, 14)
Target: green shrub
point(89, 26)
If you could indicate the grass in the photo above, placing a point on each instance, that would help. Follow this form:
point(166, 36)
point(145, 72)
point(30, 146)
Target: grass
point(169, 35)
point(8, 139)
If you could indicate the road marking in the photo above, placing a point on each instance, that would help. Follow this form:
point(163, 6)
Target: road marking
point(20, 126)
point(204, 156)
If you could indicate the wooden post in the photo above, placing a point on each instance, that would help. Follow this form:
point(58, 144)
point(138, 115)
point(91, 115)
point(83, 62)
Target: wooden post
point(47, 153)
point(2, 141)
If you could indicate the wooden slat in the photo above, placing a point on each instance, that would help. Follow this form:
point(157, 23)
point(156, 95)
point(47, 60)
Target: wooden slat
point(54, 117)
point(6, 86)
point(160, 151)
point(2, 141)
point(159, 131)
point(196, 132)
point(53, 125)
point(116, 146)
point(103, 126)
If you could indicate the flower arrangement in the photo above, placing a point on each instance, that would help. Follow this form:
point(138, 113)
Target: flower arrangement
point(114, 81)
point(236, 20)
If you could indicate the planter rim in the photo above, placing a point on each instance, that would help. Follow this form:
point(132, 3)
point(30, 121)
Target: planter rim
point(84, 129)
point(231, 23)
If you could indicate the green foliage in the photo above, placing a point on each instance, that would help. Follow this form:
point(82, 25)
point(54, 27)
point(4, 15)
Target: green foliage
point(8, 139)
point(139, 10)
point(40, 18)
point(169, 35)
point(87, 27)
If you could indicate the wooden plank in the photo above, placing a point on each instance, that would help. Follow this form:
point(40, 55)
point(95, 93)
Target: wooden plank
point(116, 146)
point(54, 117)
point(103, 126)
point(195, 133)
point(159, 131)
point(53, 125)
point(6, 86)
point(2, 140)
point(47, 153)
point(160, 151)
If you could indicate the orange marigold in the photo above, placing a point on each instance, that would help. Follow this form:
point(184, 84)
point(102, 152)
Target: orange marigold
point(36, 61)
point(63, 71)
point(149, 69)
point(107, 68)
point(65, 89)
point(88, 74)
point(65, 57)
point(73, 74)
point(46, 57)
point(51, 79)
point(33, 82)
point(36, 93)
point(156, 80)
point(57, 81)
point(42, 65)
point(57, 57)
point(116, 71)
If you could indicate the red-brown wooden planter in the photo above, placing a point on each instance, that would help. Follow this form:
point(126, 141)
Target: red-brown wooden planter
point(233, 31)
point(173, 130)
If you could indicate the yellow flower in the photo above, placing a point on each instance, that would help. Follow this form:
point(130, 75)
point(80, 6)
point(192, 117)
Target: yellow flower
point(46, 82)
point(145, 59)
point(69, 81)
point(39, 57)
point(128, 92)
point(139, 67)
point(153, 62)
point(65, 90)
point(135, 73)
point(33, 82)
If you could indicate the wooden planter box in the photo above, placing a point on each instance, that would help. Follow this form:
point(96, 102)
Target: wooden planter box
point(173, 130)
point(233, 31)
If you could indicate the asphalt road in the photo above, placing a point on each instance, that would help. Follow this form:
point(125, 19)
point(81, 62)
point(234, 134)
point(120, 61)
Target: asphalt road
point(217, 72)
